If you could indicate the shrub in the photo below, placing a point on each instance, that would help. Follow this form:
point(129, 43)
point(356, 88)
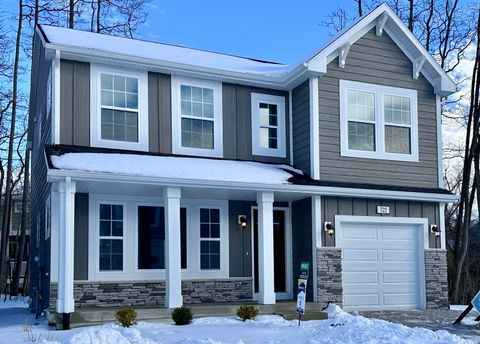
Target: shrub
point(126, 317)
point(247, 312)
point(182, 315)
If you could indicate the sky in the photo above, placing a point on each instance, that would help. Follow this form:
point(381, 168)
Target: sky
point(281, 31)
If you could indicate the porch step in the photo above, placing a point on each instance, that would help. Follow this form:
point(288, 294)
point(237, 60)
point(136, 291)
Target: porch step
point(100, 315)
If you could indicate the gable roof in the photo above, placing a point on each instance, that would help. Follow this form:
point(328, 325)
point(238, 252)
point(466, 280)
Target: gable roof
point(88, 46)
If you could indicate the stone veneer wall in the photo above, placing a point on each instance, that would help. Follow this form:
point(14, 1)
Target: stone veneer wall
point(436, 281)
point(329, 276)
point(152, 293)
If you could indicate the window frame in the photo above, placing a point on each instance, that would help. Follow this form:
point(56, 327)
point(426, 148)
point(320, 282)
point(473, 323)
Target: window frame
point(210, 238)
point(279, 101)
point(96, 107)
point(380, 91)
point(99, 237)
point(48, 216)
point(177, 148)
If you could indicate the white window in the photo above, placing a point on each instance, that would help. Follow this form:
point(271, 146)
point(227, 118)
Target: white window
point(197, 117)
point(111, 228)
point(48, 217)
point(119, 108)
point(268, 125)
point(378, 122)
point(210, 239)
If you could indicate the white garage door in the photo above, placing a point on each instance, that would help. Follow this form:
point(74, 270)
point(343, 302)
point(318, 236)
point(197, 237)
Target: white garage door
point(381, 266)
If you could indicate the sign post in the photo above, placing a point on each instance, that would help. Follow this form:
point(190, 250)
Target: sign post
point(475, 303)
point(302, 289)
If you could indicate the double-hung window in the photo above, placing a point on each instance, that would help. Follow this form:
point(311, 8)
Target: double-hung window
point(111, 233)
point(209, 239)
point(378, 122)
point(268, 125)
point(197, 117)
point(119, 114)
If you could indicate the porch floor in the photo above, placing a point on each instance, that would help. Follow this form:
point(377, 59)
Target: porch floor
point(87, 316)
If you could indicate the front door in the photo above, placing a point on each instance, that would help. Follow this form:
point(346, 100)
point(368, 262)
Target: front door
point(279, 253)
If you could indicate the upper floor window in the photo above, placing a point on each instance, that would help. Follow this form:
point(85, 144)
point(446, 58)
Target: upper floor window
point(197, 117)
point(268, 125)
point(378, 122)
point(119, 113)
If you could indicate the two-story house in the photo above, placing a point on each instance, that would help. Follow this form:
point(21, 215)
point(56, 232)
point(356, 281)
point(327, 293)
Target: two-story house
point(165, 175)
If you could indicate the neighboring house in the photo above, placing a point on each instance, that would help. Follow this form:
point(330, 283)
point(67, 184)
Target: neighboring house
point(165, 175)
point(14, 237)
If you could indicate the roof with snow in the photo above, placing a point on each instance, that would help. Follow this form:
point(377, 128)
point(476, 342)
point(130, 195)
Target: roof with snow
point(167, 58)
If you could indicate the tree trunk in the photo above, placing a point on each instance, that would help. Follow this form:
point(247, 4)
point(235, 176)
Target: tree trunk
point(411, 19)
point(6, 208)
point(359, 7)
point(99, 7)
point(71, 13)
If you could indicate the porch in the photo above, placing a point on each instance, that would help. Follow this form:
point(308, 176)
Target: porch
point(202, 241)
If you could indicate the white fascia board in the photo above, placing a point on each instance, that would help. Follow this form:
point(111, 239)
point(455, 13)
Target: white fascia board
point(281, 81)
point(55, 175)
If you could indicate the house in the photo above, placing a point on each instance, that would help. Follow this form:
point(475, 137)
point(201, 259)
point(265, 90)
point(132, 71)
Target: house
point(165, 175)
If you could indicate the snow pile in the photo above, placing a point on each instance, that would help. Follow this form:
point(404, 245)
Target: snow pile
point(109, 334)
point(175, 167)
point(16, 302)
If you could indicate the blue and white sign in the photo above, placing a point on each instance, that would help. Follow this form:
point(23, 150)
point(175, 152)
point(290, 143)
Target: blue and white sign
point(301, 296)
point(476, 302)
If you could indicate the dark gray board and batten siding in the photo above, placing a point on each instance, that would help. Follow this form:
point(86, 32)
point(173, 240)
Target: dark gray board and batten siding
point(301, 126)
point(332, 206)
point(376, 60)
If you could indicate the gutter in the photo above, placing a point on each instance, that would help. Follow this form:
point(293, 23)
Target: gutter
point(54, 175)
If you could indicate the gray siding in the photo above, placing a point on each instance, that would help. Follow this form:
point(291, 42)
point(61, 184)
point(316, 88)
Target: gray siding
point(237, 123)
point(159, 113)
point(40, 271)
point(74, 103)
point(332, 206)
point(301, 126)
point(80, 260)
point(302, 240)
point(377, 60)
point(240, 240)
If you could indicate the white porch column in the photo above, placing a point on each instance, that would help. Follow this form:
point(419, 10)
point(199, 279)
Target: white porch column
point(173, 270)
point(66, 197)
point(266, 288)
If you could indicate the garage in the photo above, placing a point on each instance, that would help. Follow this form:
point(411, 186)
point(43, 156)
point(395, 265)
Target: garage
point(382, 264)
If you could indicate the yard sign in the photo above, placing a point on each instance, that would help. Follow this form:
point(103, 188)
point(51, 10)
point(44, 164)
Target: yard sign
point(475, 303)
point(302, 289)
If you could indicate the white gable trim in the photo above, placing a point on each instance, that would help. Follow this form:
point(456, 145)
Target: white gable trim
point(384, 19)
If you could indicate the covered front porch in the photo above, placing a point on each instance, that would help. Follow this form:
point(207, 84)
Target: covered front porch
point(204, 258)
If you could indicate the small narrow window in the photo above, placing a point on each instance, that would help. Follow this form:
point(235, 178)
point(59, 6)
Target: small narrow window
point(268, 125)
point(111, 237)
point(209, 239)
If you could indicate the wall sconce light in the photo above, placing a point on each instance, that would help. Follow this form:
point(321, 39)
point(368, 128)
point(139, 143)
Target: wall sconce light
point(435, 230)
point(328, 227)
point(242, 221)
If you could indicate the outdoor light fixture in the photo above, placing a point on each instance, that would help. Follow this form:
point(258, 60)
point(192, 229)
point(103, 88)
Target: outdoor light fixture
point(435, 230)
point(328, 227)
point(242, 221)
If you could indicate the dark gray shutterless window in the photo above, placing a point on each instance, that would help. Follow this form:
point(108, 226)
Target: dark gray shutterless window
point(209, 239)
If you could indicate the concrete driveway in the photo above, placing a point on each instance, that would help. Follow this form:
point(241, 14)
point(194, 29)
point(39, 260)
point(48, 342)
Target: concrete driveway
point(434, 319)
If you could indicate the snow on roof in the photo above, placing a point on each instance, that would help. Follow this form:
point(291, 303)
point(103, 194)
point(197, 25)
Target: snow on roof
point(175, 167)
point(159, 51)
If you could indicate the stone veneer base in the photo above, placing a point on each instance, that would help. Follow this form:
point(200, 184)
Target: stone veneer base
point(152, 293)
point(329, 276)
point(436, 280)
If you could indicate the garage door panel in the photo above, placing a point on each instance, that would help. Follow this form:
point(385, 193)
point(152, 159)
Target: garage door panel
point(399, 255)
point(364, 255)
point(380, 266)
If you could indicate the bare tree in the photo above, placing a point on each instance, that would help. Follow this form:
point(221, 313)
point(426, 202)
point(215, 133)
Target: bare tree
point(359, 7)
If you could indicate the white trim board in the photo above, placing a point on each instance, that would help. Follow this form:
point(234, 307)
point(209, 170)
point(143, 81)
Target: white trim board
point(314, 129)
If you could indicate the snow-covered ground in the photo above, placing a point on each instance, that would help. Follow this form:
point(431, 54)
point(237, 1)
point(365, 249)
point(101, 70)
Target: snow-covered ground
point(340, 328)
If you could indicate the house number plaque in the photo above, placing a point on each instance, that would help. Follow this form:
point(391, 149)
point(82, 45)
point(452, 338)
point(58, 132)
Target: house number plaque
point(381, 209)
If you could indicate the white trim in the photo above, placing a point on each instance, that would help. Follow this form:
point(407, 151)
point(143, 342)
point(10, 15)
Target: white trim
point(423, 242)
point(95, 108)
point(56, 98)
point(290, 125)
point(54, 175)
point(217, 151)
point(438, 107)
point(442, 226)
point(379, 122)
point(316, 238)
point(314, 129)
point(343, 53)
point(281, 150)
point(417, 66)
point(381, 20)
point(173, 270)
point(131, 271)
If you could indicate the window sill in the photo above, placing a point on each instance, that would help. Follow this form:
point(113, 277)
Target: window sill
point(212, 153)
point(380, 156)
point(139, 146)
